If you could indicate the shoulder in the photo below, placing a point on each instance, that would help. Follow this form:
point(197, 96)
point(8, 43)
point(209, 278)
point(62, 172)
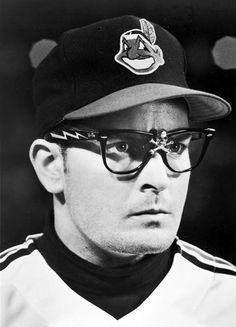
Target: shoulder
point(206, 285)
point(19, 264)
point(205, 260)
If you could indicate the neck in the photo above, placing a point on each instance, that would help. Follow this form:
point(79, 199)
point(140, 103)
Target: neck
point(79, 244)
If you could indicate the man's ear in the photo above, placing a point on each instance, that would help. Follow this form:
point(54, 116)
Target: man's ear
point(47, 161)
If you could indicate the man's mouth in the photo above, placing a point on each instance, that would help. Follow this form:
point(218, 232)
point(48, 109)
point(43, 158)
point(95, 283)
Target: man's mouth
point(148, 212)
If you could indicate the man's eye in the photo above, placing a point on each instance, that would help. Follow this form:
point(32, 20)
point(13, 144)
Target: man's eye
point(119, 147)
point(127, 147)
point(122, 147)
point(124, 150)
point(177, 148)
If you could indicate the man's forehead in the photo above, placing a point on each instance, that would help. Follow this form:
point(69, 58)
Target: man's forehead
point(168, 114)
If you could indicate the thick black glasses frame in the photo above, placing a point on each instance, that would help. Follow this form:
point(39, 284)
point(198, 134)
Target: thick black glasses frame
point(69, 137)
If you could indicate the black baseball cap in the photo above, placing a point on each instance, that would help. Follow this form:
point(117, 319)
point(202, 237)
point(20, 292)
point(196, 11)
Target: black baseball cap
point(113, 65)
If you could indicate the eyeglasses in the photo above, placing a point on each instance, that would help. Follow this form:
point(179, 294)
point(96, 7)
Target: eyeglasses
point(128, 151)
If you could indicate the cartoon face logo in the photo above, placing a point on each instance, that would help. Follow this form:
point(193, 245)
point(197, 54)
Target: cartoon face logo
point(138, 51)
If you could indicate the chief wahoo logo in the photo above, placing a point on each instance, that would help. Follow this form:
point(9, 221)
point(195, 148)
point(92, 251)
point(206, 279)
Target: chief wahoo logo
point(138, 51)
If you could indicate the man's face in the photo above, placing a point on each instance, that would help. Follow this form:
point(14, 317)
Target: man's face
point(125, 215)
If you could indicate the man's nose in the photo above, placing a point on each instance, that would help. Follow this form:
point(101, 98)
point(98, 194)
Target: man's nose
point(155, 176)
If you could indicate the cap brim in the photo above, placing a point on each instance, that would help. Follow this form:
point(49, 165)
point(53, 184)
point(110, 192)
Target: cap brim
point(203, 106)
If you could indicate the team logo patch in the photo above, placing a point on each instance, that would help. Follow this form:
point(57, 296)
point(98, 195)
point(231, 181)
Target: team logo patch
point(138, 51)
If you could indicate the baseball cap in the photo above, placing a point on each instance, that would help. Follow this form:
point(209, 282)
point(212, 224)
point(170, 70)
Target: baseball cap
point(113, 65)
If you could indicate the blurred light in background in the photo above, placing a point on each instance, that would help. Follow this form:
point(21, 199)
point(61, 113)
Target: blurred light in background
point(224, 52)
point(40, 50)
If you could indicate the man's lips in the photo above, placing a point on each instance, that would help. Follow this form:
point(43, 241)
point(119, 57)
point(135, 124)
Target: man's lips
point(148, 212)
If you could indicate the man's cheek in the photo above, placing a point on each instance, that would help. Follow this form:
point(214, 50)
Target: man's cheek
point(180, 191)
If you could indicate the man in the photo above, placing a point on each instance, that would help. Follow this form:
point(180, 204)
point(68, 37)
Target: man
point(115, 150)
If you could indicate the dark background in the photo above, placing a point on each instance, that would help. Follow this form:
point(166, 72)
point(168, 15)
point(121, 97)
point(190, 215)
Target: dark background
point(209, 217)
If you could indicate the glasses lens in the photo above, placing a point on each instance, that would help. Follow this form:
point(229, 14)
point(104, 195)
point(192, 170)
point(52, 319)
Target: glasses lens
point(185, 150)
point(126, 151)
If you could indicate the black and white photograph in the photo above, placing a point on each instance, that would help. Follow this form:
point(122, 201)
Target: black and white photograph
point(118, 163)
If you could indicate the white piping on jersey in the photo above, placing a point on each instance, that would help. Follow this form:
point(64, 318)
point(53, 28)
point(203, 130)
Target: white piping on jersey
point(7, 253)
point(33, 236)
point(219, 261)
point(206, 258)
point(24, 245)
point(14, 249)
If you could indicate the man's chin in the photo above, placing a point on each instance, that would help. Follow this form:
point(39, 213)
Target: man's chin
point(151, 248)
point(151, 244)
point(156, 237)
